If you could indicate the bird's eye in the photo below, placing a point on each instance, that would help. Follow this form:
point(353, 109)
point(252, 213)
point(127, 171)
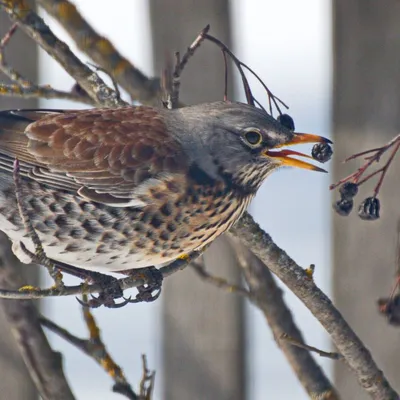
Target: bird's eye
point(253, 137)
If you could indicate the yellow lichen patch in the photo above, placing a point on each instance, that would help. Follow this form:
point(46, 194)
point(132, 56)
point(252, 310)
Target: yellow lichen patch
point(94, 331)
point(121, 66)
point(28, 288)
point(310, 271)
point(105, 46)
point(183, 257)
point(67, 11)
point(328, 395)
point(20, 7)
point(109, 365)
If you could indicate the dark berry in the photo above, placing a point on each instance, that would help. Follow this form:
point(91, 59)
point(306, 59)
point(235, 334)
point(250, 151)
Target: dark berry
point(287, 121)
point(322, 152)
point(348, 190)
point(369, 209)
point(390, 308)
point(343, 207)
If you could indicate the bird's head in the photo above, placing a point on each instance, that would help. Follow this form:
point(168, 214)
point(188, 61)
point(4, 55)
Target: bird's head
point(238, 140)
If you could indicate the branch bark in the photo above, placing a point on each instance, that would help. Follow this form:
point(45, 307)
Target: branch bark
point(357, 356)
point(267, 296)
point(103, 52)
point(35, 28)
point(44, 365)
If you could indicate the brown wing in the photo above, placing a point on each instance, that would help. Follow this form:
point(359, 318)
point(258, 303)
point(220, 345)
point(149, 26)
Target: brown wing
point(106, 155)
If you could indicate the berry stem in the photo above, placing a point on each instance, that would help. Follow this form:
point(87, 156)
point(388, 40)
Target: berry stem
point(355, 177)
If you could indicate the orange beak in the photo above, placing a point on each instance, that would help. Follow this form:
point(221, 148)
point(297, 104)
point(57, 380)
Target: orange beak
point(298, 138)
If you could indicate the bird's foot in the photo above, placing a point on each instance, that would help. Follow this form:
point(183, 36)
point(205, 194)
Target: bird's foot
point(153, 279)
point(111, 291)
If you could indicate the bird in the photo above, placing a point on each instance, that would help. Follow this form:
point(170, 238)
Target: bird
point(118, 189)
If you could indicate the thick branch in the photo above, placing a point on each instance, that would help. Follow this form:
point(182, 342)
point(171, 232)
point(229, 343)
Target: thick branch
point(268, 297)
point(35, 27)
point(295, 278)
point(103, 52)
point(44, 365)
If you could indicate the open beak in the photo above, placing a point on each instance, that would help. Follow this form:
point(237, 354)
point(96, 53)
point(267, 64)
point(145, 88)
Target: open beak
point(284, 155)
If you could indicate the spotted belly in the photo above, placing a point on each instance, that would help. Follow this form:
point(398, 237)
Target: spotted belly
point(103, 238)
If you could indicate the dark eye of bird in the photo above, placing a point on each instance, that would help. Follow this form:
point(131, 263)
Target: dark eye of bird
point(253, 137)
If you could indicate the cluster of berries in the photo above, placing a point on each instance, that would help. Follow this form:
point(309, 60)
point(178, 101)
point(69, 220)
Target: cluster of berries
point(367, 210)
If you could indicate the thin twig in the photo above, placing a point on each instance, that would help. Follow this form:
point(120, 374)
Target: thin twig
point(44, 92)
point(219, 282)
point(251, 100)
point(147, 381)
point(268, 297)
point(96, 349)
point(181, 64)
point(295, 278)
point(35, 27)
point(377, 153)
point(102, 52)
point(295, 342)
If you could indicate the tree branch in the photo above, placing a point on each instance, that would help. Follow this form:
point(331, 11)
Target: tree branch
point(267, 296)
point(44, 365)
point(35, 28)
point(31, 292)
point(295, 278)
point(103, 52)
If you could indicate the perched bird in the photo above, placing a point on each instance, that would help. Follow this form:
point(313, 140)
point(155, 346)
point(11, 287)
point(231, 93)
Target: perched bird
point(132, 187)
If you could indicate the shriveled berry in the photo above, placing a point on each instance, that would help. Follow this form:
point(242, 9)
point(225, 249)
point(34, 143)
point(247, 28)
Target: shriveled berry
point(322, 152)
point(369, 209)
point(348, 190)
point(343, 207)
point(390, 308)
point(287, 121)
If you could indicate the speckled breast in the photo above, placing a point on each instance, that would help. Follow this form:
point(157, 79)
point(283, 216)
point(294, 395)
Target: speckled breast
point(99, 237)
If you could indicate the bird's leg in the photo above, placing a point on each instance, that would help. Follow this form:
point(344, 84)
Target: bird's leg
point(153, 279)
point(39, 257)
point(111, 289)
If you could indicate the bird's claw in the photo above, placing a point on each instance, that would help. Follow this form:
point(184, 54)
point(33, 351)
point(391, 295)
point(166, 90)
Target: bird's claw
point(153, 282)
point(111, 290)
point(96, 302)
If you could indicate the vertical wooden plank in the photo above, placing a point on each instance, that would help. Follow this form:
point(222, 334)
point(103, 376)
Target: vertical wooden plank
point(202, 326)
point(366, 114)
point(15, 382)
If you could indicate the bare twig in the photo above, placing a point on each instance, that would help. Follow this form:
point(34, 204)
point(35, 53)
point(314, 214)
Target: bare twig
point(24, 88)
point(251, 100)
point(355, 177)
point(181, 64)
point(267, 296)
point(44, 365)
point(147, 381)
point(44, 92)
point(95, 348)
point(103, 52)
point(219, 282)
point(295, 342)
point(295, 278)
point(35, 27)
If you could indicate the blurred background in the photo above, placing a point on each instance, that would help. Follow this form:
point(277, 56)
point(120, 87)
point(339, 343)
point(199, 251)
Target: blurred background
point(205, 343)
